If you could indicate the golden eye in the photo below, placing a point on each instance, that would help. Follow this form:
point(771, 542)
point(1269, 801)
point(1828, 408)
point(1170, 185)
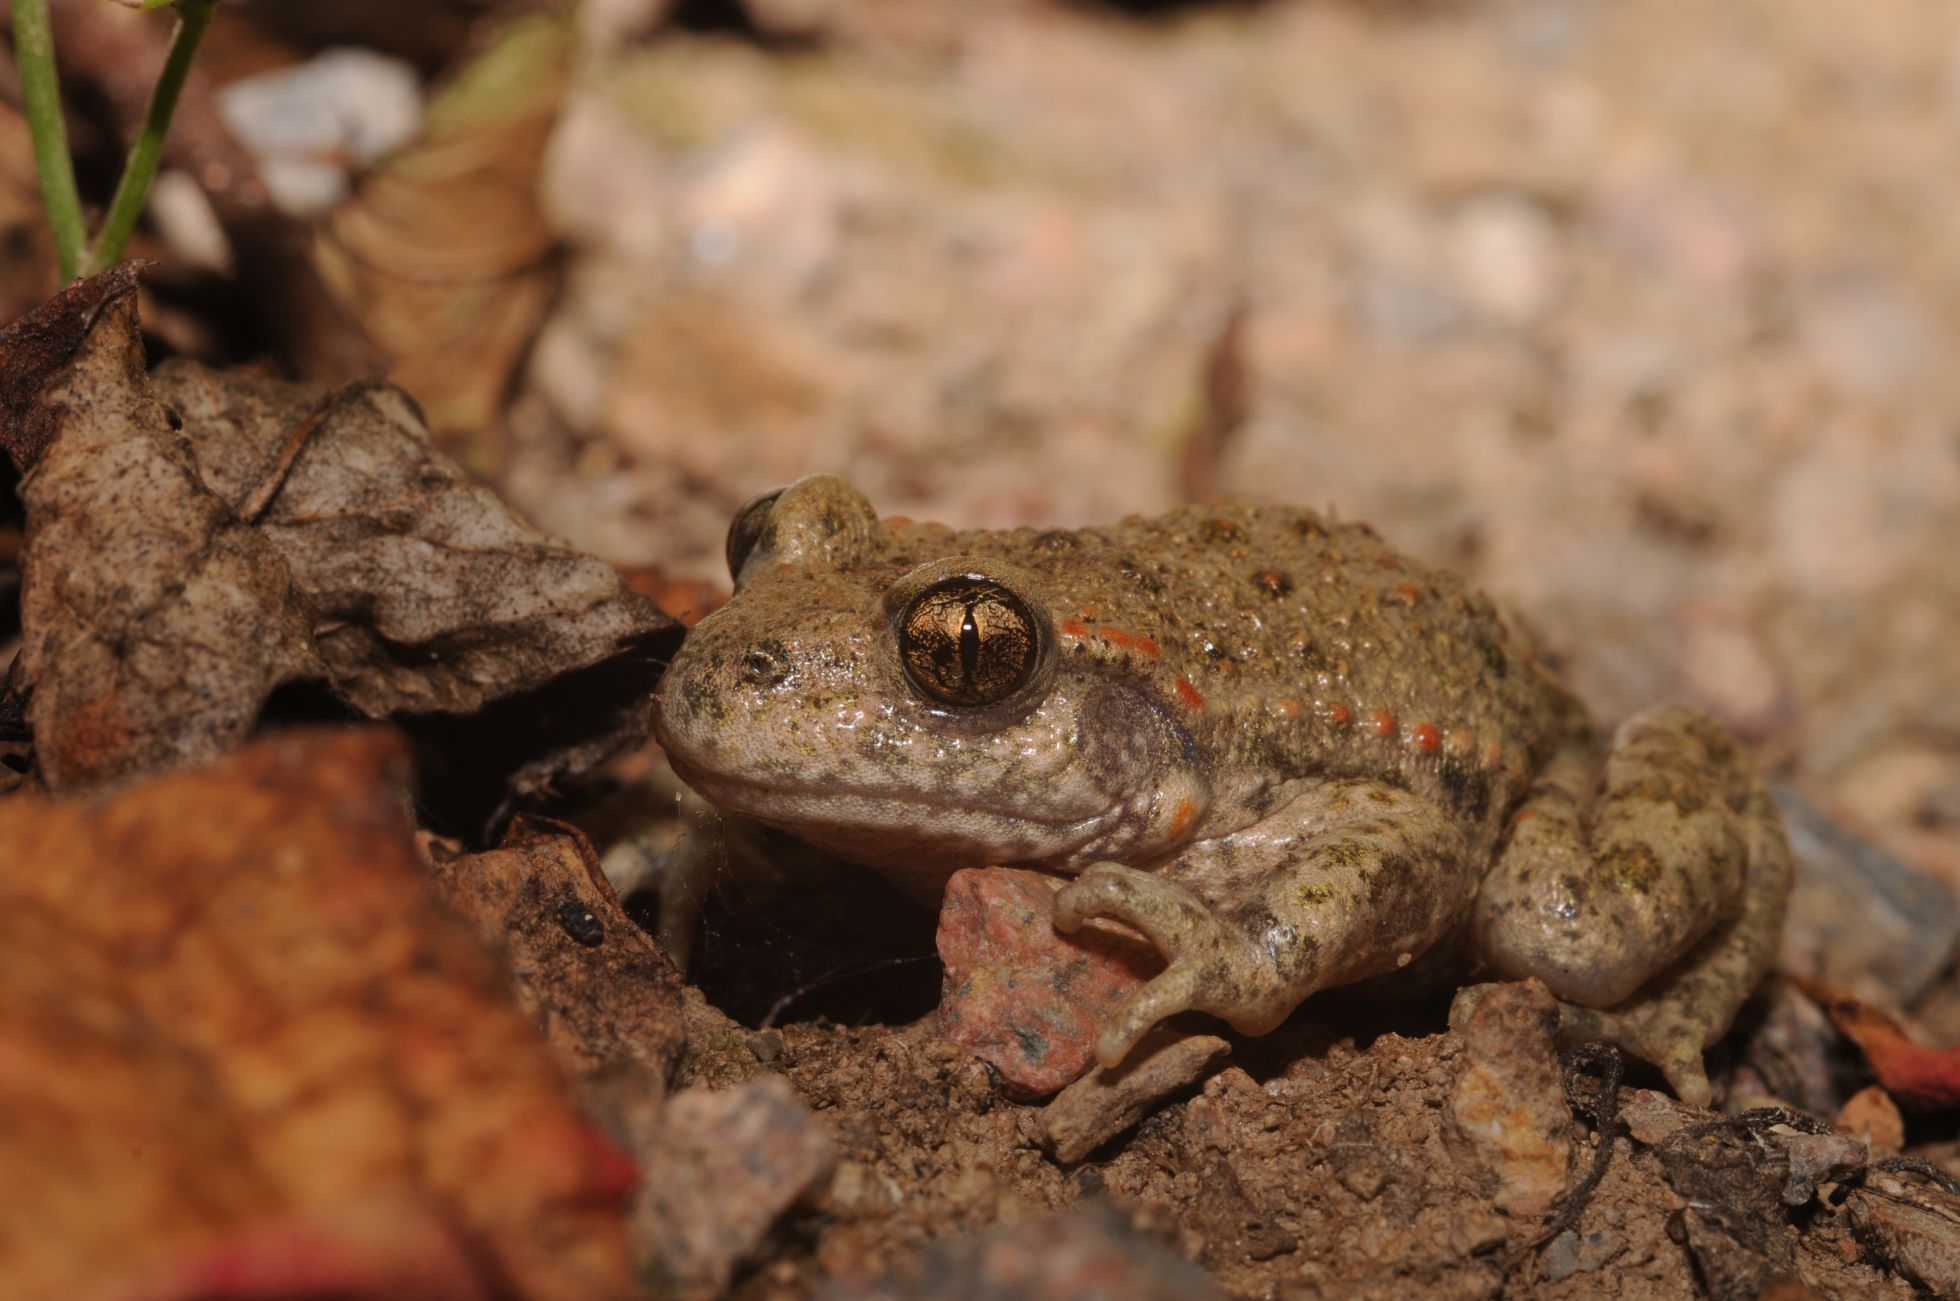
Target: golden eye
point(967, 640)
point(745, 530)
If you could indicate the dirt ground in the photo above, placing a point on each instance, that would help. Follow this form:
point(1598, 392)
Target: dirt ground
point(1309, 1167)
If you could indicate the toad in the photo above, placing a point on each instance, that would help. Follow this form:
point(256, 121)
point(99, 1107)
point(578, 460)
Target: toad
point(1289, 756)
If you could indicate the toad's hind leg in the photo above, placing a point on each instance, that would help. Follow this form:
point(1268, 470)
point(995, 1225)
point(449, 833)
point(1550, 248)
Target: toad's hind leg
point(1649, 898)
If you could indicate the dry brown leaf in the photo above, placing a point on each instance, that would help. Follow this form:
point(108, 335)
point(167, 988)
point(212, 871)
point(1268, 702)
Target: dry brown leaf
point(523, 660)
point(432, 595)
point(443, 252)
point(1911, 1224)
point(244, 1048)
point(606, 997)
point(109, 63)
point(37, 347)
point(197, 539)
point(154, 623)
point(1920, 1078)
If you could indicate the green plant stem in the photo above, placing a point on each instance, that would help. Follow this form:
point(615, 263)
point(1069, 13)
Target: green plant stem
point(40, 93)
point(193, 16)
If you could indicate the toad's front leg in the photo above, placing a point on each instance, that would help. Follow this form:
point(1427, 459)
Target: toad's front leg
point(1350, 879)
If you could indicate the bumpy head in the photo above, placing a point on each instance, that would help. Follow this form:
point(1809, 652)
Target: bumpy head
point(898, 696)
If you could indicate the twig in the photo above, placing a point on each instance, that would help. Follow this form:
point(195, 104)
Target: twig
point(1606, 1122)
point(40, 93)
point(133, 190)
point(1753, 1121)
point(1919, 1166)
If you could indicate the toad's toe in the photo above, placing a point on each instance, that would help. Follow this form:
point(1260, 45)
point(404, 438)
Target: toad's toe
point(1171, 916)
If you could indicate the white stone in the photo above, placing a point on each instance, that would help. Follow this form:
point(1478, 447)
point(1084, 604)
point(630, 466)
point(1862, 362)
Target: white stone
point(311, 126)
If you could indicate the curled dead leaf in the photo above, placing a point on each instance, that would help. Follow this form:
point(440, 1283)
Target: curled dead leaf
point(1918, 1077)
point(443, 250)
point(240, 1037)
point(196, 540)
point(38, 347)
point(154, 623)
point(433, 596)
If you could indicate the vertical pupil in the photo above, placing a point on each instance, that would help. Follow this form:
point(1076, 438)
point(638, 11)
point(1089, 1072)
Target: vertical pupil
point(969, 641)
point(965, 641)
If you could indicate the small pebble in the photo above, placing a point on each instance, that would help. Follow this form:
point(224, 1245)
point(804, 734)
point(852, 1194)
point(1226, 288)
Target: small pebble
point(310, 125)
point(1871, 1115)
point(1101, 1105)
point(1510, 1100)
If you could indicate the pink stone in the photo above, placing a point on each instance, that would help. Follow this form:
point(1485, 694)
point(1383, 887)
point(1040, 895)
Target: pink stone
point(1019, 994)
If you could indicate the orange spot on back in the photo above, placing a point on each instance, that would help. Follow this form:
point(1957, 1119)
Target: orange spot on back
point(1408, 591)
point(1340, 715)
point(1427, 738)
point(1189, 694)
point(1287, 707)
point(1525, 815)
point(1460, 743)
point(1383, 722)
point(1182, 818)
point(1117, 637)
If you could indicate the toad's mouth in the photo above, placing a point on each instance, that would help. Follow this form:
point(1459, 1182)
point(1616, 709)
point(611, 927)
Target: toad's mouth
point(899, 827)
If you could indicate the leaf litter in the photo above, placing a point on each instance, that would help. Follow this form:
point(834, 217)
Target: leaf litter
point(155, 621)
point(197, 539)
point(245, 1044)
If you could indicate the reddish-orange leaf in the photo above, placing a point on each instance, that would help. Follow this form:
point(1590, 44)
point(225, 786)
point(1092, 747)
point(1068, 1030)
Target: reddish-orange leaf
point(1920, 1078)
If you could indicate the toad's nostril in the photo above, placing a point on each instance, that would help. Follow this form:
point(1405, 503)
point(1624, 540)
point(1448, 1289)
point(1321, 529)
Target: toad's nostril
point(766, 664)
